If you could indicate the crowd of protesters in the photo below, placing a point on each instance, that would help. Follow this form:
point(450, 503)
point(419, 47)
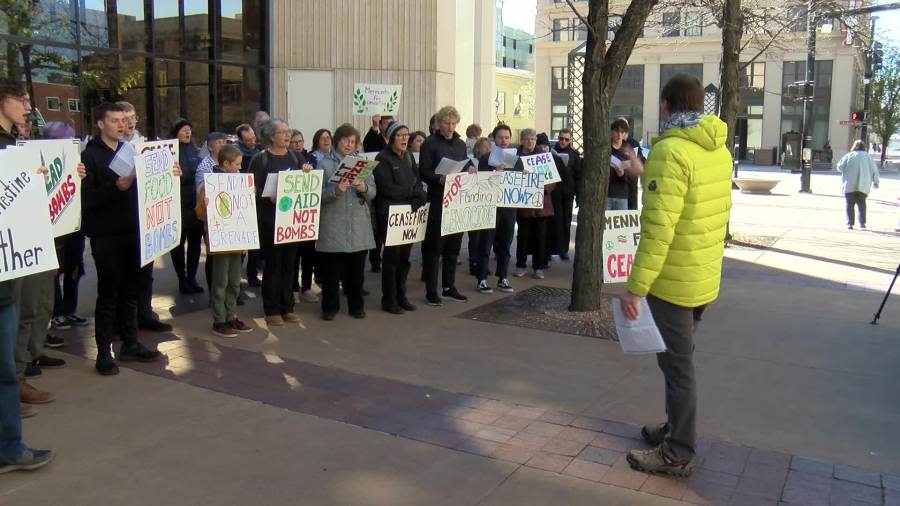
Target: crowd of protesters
point(352, 229)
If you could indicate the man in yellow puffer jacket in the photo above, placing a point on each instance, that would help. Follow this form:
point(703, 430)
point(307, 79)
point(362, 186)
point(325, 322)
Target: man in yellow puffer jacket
point(687, 198)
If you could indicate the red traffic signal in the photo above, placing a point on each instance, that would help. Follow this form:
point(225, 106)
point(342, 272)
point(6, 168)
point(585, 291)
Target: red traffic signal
point(856, 116)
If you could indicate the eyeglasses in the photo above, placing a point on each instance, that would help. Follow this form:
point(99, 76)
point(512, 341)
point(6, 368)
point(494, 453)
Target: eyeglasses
point(564, 139)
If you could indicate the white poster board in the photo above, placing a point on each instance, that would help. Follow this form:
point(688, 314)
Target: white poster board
point(26, 235)
point(544, 164)
point(297, 206)
point(520, 190)
point(371, 99)
point(230, 212)
point(170, 144)
point(352, 169)
point(470, 202)
point(61, 158)
point(159, 204)
point(621, 235)
point(406, 226)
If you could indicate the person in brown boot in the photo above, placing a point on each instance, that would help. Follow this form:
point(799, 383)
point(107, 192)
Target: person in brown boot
point(31, 395)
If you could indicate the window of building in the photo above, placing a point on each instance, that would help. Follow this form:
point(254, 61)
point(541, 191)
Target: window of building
point(670, 21)
point(74, 105)
point(559, 78)
point(628, 100)
point(754, 76)
point(667, 71)
point(517, 104)
point(560, 26)
point(530, 48)
point(504, 61)
point(578, 30)
point(792, 110)
point(559, 118)
point(501, 102)
point(52, 103)
point(693, 24)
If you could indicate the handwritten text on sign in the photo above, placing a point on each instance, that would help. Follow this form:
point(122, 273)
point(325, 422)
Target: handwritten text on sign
point(353, 169)
point(159, 204)
point(518, 189)
point(231, 212)
point(26, 236)
point(406, 226)
point(544, 164)
point(621, 235)
point(469, 203)
point(371, 99)
point(63, 185)
point(170, 144)
point(298, 203)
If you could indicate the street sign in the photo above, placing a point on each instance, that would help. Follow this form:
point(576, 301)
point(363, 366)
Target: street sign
point(851, 123)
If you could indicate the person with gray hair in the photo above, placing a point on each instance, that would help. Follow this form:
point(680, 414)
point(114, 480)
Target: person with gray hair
point(259, 119)
point(858, 175)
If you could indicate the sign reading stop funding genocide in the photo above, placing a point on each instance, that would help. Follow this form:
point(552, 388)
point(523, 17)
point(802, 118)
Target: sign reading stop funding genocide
point(369, 99)
point(159, 204)
point(61, 157)
point(406, 226)
point(297, 206)
point(470, 202)
point(26, 235)
point(621, 235)
point(231, 212)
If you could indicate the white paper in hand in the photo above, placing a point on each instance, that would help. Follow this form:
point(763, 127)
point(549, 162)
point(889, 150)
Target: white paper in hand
point(637, 336)
point(448, 166)
point(506, 156)
point(615, 162)
point(123, 163)
point(271, 187)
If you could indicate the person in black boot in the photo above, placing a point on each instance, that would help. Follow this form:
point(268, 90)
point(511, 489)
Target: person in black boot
point(191, 228)
point(437, 249)
point(398, 183)
point(110, 220)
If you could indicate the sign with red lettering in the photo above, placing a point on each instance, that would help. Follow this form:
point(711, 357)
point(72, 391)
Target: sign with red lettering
point(470, 202)
point(159, 204)
point(297, 205)
point(621, 235)
point(353, 169)
point(61, 158)
point(230, 212)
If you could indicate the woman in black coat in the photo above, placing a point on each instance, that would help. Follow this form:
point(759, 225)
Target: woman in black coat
point(192, 228)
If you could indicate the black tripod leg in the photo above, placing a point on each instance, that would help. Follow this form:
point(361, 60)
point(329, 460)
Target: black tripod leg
point(886, 295)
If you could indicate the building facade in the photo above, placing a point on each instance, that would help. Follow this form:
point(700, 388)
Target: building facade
point(515, 49)
point(684, 42)
point(514, 101)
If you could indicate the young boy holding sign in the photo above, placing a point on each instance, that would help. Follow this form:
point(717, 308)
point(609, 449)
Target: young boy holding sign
point(225, 285)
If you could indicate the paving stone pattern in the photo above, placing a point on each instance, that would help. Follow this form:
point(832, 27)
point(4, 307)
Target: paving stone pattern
point(566, 443)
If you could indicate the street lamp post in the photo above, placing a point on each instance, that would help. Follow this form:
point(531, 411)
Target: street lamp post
point(869, 75)
point(809, 88)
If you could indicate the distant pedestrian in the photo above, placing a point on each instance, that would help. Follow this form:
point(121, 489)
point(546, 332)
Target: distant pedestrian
point(678, 265)
point(858, 175)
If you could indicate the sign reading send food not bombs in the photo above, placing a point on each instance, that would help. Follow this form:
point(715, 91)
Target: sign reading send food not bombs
point(231, 212)
point(159, 204)
point(61, 158)
point(297, 206)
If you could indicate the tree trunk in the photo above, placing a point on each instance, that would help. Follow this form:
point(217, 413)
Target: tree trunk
point(730, 79)
point(602, 69)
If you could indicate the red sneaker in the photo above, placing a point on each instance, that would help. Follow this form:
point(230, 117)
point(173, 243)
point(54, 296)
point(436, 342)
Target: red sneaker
point(238, 325)
point(223, 330)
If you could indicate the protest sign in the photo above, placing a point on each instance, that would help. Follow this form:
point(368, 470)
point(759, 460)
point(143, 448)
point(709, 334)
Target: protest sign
point(353, 169)
point(230, 212)
point(61, 158)
point(406, 226)
point(26, 235)
point(297, 206)
point(520, 190)
point(369, 155)
point(621, 234)
point(448, 166)
point(170, 144)
point(159, 204)
point(470, 202)
point(544, 164)
point(370, 99)
point(506, 156)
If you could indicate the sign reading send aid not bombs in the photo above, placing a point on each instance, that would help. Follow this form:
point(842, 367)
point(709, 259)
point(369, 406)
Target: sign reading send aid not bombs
point(406, 226)
point(520, 189)
point(470, 202)
point(61, 158)
point(231, 212)
point(26, 236)
point(371, 99)
point(297, 206)
point(621, 235)
point(159, 204)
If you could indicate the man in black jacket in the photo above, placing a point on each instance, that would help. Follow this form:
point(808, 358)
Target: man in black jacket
point(444, 143)
point(563, 214)
point(375, 139)
point(110, 220)
point(500, 237)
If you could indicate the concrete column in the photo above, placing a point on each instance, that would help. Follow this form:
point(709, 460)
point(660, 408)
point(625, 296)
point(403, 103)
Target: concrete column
point(843, 98)
point(485, 64)
point(711, 70)
point(651, 98)
point(542, 68)
point(771, 135)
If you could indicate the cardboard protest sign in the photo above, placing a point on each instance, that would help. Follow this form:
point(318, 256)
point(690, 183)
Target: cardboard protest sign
point(369, 155)
point(544, 164)
point(159, 204)
point(61, 157)
point(230, 212)
point(297, 206)
point(370, 99)
point(470, 202)
point(406, 226)
point(521, 190)
point(26, 235)
point(621, 235)
point(170, 144)
point(353, 169)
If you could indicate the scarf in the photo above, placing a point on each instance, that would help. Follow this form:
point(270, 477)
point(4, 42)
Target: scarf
point(681, 120)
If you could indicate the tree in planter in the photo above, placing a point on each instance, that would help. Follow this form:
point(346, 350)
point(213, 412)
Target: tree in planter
point(603, 66)
point(885, 105)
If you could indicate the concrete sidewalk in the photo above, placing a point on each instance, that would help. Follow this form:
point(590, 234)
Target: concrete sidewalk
point(489, 414)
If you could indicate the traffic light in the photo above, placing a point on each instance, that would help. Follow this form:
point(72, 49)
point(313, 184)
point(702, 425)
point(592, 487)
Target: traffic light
point(857, 116)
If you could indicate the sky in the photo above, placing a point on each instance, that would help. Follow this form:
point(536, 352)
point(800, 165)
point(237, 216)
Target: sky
point(520, 14)
point(888, 25)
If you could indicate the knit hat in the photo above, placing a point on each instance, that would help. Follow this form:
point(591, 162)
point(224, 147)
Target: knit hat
point(392, 130)
point(542, 139)
point(179, 124)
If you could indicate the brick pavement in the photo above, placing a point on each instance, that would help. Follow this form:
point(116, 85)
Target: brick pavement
point(588, 448)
